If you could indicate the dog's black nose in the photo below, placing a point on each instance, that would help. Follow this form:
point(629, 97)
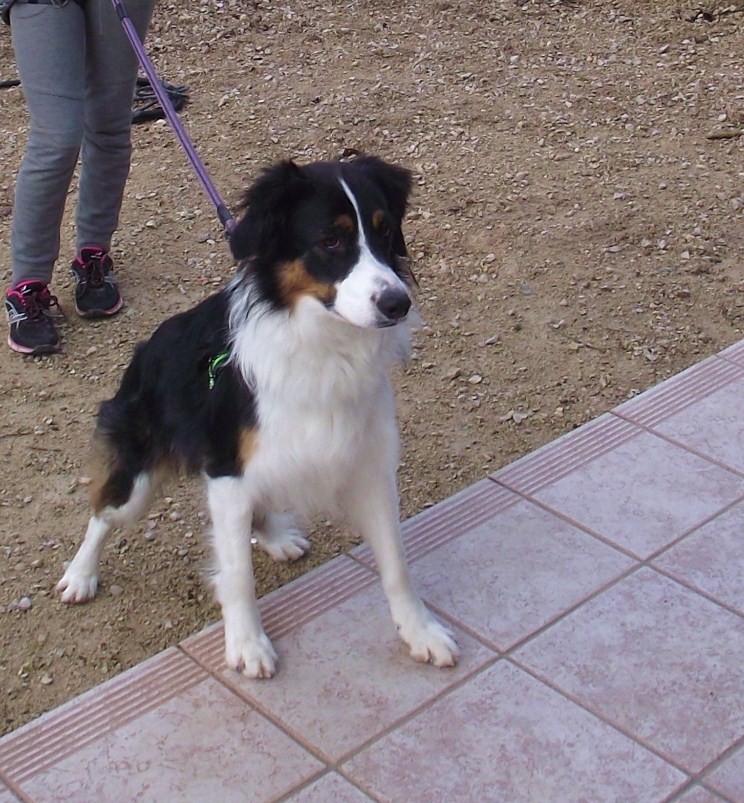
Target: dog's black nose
point(394, 304)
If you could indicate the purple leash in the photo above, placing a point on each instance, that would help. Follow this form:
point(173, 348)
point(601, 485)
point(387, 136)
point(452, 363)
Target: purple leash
point(227, 220)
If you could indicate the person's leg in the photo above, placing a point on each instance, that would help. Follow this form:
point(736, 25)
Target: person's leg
point(111, 72)
point(111, 69)
point(49, 45)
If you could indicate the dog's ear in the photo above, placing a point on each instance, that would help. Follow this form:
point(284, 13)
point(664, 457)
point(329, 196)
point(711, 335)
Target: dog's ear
point(265, 207)
point(396, 183)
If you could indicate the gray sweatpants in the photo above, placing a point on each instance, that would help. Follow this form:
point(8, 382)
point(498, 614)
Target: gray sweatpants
point(77, 70)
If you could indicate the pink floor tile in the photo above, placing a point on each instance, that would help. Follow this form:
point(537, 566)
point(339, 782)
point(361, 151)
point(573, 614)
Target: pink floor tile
point(331, 788)
point(712, 558)
point(514, 574)
point(728, 778)
point(656, 659)
point(722, 437)
point(644, 494)
point(345, 676)
point(504, 736)
point(198, 745)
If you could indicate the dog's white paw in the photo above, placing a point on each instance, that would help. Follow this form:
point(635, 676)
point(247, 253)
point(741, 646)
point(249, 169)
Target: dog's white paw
point(254, 658)
point(76, 587)
point(430, 642)
point(289, 544)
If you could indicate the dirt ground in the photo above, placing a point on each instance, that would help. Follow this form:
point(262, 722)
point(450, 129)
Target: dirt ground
point(577, 230)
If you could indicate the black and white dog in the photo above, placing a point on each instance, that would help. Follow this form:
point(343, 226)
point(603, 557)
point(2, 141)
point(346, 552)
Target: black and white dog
point(276, 389)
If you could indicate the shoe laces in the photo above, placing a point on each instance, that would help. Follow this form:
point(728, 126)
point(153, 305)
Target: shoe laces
point(95, 266)
point(36, 299)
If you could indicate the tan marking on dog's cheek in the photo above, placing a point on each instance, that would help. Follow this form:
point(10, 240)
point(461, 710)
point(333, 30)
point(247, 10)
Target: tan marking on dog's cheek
point(295, 282)
point(247, 446)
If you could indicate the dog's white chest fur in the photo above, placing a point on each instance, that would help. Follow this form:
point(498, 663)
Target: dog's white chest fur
point(319, 384)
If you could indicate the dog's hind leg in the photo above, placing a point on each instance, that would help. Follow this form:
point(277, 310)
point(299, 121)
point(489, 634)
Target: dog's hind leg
point(278, 535)
point(80, 580)
point(247, 647)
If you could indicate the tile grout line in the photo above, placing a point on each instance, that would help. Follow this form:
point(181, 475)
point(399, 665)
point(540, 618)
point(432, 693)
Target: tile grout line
point(691, 786)
point(737, 359)
point(651, 430)
point(419, 709)
point(638, 564)
point(699, 591)
point(610, 584)
point(287, 796)
point(115, 692)
point(509, 656)
point(680, 391)
point(721, 759)
point(15, 789)
point(698, 779)
point(254, 703)
point(301, 787)
point(558, 459)
point(596, 715)
point(584, 528)
point(207, 647)
point(606, 540)
point(92, 725)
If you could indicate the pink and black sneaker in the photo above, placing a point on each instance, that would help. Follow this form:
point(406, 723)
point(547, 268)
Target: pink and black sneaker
point(32, 330)
point(96, 293)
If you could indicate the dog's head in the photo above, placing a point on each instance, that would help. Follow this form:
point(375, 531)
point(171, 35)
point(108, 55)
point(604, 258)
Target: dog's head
point(329, 232)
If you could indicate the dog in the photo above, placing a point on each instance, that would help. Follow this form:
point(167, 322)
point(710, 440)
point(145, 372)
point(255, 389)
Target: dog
point(276, 389)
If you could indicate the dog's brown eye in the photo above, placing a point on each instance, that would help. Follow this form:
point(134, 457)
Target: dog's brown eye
point(384, 229)
point(331, 243)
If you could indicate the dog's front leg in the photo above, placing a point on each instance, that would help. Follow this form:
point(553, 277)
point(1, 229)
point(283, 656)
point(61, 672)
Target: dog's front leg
point(371, 505)
point(247, 647)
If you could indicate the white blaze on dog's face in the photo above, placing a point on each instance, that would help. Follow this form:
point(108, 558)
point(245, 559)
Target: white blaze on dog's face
point(372, 294)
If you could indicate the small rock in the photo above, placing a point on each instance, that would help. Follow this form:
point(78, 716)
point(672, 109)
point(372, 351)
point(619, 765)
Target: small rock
point(46, 679)
point(475, 379)
point(25, 604)
point(116, 591)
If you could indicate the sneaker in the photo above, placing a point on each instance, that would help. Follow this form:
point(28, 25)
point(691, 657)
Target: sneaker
point(96, 293)
point(32, 330)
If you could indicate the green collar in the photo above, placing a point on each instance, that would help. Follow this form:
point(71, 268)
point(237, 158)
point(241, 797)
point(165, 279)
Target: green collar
point(214, 366)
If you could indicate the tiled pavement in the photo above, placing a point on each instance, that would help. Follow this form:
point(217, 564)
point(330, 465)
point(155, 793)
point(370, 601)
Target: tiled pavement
point(597, 590)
